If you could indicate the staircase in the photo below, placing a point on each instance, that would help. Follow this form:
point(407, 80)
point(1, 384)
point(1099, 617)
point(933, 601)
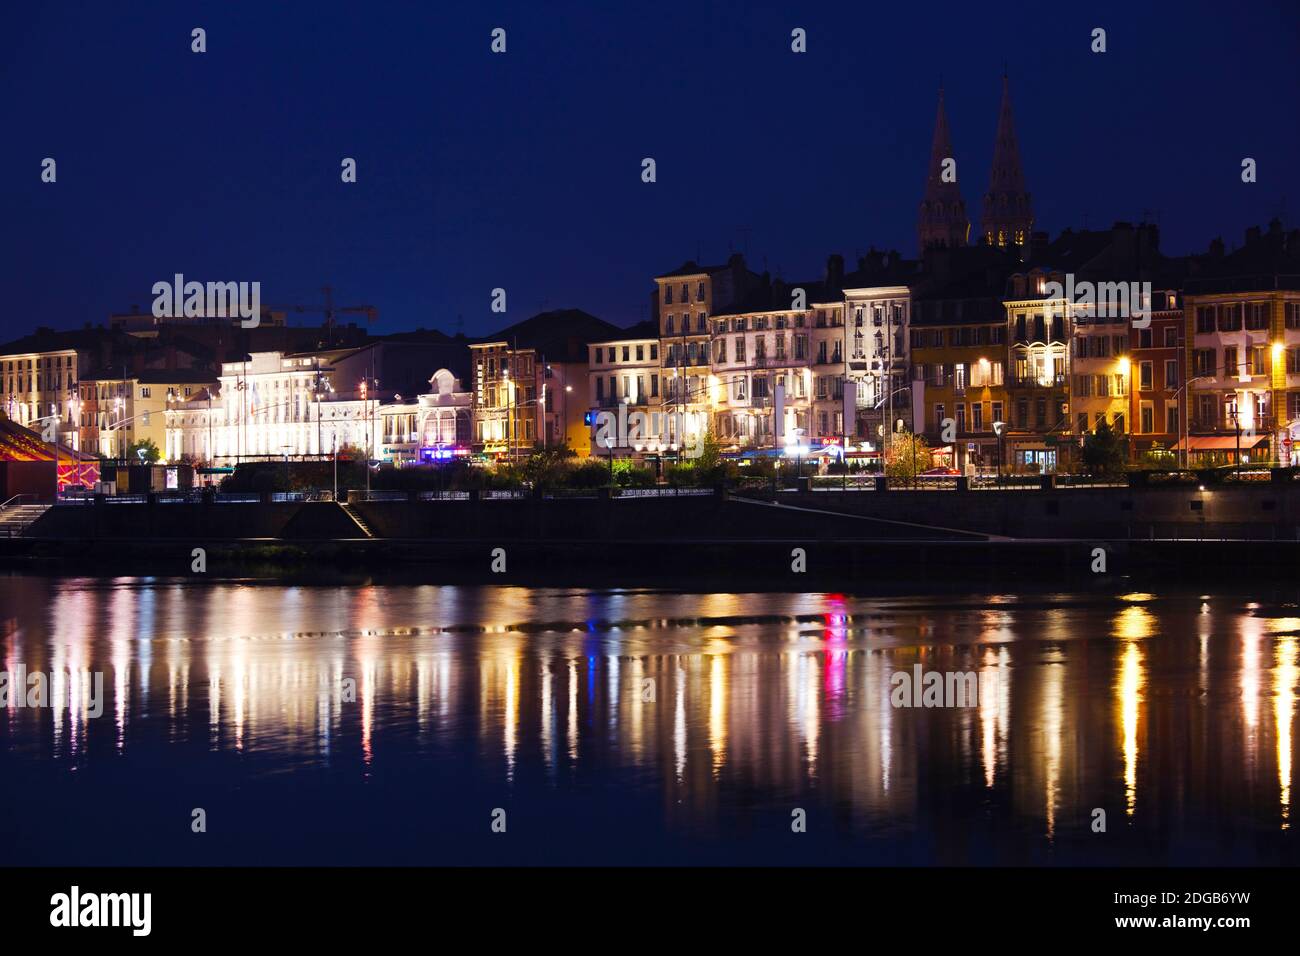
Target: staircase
point(15, 518)
point(357, 519)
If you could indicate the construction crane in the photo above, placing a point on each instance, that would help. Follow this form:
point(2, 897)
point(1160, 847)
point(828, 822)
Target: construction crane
point(329, 310)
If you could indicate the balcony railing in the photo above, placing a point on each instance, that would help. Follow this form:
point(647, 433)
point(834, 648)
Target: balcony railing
point(1047, 381)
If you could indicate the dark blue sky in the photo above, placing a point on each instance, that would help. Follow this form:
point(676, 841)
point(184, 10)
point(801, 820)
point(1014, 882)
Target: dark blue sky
point(523, 170)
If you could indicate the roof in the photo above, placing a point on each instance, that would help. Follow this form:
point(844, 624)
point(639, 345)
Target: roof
point(22, 444)
point(560, 335)
point(639, 332)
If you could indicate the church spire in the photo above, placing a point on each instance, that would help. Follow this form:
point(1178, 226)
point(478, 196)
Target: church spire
point(941, 220)
point(1008, 214)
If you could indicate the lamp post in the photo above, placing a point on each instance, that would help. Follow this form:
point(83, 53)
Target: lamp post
point(1000, 429)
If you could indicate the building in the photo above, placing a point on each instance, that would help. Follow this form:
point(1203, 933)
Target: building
point(1156, 376)
point(958, 339)
point(624, 382)
point(941, 218)
point(432, 427)
point(117, 413)
point(271, 405)
point(529, 383)
point(1007, 219)
point(760, 381)
point(1039, 328)
point(40, 375)
point(684, 301)
point(1242, 339)
point(877, 313)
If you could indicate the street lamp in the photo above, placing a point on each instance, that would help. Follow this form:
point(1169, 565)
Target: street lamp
point(999, 429)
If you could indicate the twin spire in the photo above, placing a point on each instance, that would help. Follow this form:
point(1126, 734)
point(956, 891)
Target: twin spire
point(1007, 217)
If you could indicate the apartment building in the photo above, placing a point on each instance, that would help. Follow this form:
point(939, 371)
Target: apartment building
point(1156, 377)
point(1242, 339)
point(624, 381)
point(684, 300)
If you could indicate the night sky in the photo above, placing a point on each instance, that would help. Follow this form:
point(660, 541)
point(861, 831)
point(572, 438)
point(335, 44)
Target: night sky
point(522, 170)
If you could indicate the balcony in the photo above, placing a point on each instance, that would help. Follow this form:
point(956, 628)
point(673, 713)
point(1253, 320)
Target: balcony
point(1046, 381)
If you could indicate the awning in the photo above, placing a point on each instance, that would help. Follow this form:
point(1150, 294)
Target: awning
point(1219, 442)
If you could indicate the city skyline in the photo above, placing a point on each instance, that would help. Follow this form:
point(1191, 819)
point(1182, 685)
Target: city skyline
point(476, 186)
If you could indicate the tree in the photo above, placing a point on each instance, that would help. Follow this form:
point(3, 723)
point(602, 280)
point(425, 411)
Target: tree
point(1103, 451)
point(146, 445)
point(907, 456)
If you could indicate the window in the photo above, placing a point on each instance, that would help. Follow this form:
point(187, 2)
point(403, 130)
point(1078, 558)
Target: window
point(627, 354)
point(599, 355)
point(1171, 338)
point(1147, 419)
point(1082, 422)
point(1145, 377)
point(1255, 361)
point(997, 411)
point(1040, 412)
point(977, 416)
point(1203, 362)
point(1204, 319)
point(1257, 316)
point(1230, 317)
point(640, 353)
point(668, 297)
point(654, 352)
point(699, 292)
point(738, 348)
point(654, 386)
point(1144, 338)
point(1230, 366)
point(668, 325)
point(1119, 421)
point(1171, 418)
point(1171, 373)
point(938, 415)
point(961, 418)
point(145, 391)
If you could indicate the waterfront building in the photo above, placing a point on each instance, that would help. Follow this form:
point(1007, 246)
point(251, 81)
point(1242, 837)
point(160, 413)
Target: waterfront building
point(958, 338)
point(1242, 337)
point(432, 427)
point(877, 315)
point(624, 380)
point(760, 365)
point(529, 383)
point(1156, 376)
point(1039, 328)
point(684, 300)
point(115, 412)
point(272, 405)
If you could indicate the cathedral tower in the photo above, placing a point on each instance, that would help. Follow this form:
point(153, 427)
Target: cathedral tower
point(942, 219)
point(1008, 216)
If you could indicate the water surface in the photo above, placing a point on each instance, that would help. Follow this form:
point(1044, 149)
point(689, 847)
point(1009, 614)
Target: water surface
point(385, 723)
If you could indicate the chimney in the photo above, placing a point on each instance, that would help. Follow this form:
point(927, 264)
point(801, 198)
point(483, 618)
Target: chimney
point(835, 271)
point(1038, 244)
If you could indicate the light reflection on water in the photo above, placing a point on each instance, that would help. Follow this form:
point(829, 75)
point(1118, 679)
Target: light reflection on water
point(668, 726)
